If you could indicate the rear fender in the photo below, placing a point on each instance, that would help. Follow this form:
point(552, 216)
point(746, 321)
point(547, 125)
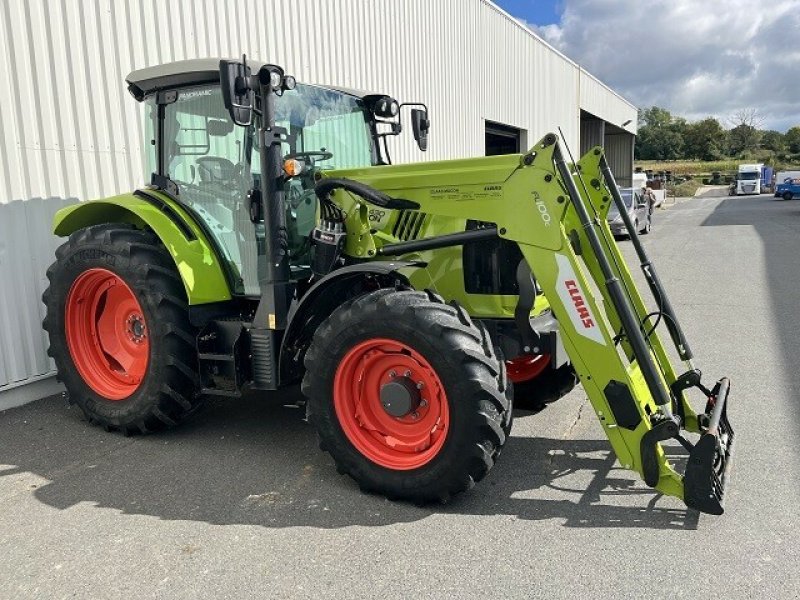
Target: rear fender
point(325, 296)
point(199, 265)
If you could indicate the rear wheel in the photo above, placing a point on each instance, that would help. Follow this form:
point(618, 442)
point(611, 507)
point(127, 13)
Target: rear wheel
point(788, 195)
point(119, 329)
point(406, 395)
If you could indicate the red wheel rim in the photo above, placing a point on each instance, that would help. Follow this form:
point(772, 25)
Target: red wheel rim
point(395, 442)
point(106, 334)
point(526, 367)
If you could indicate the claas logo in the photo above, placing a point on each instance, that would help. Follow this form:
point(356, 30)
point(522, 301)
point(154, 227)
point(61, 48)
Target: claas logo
point(580, 305)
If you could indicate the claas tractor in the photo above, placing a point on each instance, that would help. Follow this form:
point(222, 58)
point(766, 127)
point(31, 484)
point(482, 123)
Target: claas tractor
point(414, 304)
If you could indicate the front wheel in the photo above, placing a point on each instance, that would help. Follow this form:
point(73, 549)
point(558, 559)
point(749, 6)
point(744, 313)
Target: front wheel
point(406, 395)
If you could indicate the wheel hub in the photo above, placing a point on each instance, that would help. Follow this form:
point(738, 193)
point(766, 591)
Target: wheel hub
point(106, 333)
point(135, 328)
point(400, 397)
point(391, 404)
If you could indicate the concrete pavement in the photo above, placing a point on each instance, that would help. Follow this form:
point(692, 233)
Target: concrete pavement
point(239, 502)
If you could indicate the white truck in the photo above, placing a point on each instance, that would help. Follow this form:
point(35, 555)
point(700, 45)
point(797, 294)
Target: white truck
point(748, 181)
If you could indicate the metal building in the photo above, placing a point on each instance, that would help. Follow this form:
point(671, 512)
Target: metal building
point(69, 130)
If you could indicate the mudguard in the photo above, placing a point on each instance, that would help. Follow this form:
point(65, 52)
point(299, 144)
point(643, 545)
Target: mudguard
point(325, 296)
point(200, 268)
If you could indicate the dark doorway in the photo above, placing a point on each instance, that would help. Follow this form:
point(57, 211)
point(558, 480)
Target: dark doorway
point(502, 139)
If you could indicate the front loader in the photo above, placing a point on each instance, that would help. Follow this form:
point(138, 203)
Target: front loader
point(276, 245)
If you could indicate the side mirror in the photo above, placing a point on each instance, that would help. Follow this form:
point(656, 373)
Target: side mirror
point(234, 79)
point(420, 124)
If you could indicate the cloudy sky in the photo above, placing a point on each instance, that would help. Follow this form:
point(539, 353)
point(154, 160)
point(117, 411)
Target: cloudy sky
point(694, 57)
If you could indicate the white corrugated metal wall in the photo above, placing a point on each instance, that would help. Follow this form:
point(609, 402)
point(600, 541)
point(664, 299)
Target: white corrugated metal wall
point(70, 131)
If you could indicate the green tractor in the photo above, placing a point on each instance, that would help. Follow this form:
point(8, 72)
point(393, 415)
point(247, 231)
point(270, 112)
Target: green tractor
point(277, 245)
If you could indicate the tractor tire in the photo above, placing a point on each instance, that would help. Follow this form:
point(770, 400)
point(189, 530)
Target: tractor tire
point(119, 329)
point(503, 381)
point(549, 386)
point(406, 395)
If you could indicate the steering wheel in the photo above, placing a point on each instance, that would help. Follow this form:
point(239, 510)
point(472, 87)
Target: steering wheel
point(311, 156)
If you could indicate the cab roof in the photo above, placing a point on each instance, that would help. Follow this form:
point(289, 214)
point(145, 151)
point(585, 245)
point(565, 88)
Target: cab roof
point(181, 73)
point(196, 71)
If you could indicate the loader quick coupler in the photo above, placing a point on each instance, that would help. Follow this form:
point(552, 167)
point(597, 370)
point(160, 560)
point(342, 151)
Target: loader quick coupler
point(708, 469)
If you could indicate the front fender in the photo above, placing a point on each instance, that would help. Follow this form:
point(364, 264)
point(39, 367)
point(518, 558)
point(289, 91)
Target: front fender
point(325, 296)
point(198, 264)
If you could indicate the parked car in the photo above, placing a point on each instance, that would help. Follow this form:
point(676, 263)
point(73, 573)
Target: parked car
point(638, 210)
point(788, 189)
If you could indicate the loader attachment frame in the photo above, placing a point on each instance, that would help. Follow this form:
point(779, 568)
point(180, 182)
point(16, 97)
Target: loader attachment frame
point(556, 212)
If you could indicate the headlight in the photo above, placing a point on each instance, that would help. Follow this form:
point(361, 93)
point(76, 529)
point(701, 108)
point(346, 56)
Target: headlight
point(385, 107)
point(275, 79)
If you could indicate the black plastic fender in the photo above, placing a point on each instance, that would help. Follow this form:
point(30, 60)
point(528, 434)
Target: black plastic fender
point(323, 297)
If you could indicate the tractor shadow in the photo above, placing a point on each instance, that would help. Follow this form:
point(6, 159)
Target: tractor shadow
point(255, 462)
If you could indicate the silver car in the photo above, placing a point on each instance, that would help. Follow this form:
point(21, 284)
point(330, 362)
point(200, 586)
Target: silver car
point(639, 210)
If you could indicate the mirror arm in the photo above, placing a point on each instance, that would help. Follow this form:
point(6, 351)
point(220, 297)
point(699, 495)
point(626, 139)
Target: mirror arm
point(422, 104)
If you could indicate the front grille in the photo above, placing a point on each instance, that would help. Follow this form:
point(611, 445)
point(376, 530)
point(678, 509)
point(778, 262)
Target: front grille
point(408, 225)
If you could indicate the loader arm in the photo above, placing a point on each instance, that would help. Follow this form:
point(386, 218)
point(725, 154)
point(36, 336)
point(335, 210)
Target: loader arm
point(556, 213)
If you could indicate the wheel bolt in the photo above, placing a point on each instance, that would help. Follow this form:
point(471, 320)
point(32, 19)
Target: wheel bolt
point(407, 373)
point(420, 385)
point(392, 374)
point(415, 415)
point(423, 403)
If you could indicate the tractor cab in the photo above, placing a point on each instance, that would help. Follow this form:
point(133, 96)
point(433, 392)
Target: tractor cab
point(194, 146)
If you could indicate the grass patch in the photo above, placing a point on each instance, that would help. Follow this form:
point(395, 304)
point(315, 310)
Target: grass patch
point(690, 167)
point(687, 188)
point(699, 168)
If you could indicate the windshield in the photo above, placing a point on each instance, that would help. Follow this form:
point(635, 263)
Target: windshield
point(215, 163)
point(323, 120)
point(627, 198)
point(750, 176)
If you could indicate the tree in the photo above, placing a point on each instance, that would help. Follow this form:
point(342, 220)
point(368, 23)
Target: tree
point(659, 143)
point(773, 140)
point(704, 139)
point(792, 139)
point(655, 116)
point(744, 135)
point(661, 135)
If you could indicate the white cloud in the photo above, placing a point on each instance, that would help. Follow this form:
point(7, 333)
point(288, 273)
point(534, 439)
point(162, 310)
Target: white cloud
point(694, 57)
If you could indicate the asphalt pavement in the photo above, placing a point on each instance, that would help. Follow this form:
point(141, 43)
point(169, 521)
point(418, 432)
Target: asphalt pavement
point(239, 502)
